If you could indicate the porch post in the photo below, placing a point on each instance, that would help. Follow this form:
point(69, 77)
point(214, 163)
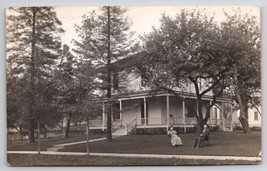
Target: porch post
point(183, 111)
point(103, 116)
point(211, 113)
point(222, 117)
point(121, 110)
point(145, 117)
point(231, 110)
point(168, 109)
point(184, 115)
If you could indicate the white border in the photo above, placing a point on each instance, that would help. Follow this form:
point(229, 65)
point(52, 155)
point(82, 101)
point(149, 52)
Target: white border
point(6, 3)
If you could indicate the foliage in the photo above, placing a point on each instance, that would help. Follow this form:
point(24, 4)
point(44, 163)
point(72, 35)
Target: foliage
point(33, 43)
point(242, 37)
point(186, 50)
point(105, 39)
point(76, 85)
point(216, 59)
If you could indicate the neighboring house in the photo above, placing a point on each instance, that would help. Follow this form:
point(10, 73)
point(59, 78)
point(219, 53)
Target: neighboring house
point(143, 110)
point(254, 117)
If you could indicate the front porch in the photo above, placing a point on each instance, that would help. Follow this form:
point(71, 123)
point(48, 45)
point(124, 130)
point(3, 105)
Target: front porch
point(161, 111)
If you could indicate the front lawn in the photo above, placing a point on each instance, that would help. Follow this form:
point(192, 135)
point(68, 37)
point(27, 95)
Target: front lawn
point(221, 143)
point(46, 143)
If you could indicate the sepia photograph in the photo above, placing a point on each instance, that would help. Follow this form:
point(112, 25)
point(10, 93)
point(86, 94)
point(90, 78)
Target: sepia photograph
point(133, 85)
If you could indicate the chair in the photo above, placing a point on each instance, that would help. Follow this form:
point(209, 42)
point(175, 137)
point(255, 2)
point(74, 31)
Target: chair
point(204, 141)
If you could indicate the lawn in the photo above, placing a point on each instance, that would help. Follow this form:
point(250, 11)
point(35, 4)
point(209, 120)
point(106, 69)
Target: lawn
point(46, 143)
point(221, 143)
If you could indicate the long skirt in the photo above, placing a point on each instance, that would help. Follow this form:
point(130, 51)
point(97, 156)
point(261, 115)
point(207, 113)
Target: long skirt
point(175, 140)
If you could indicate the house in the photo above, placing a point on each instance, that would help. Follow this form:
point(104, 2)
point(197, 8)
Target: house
point(254, 118)
point(150, 112)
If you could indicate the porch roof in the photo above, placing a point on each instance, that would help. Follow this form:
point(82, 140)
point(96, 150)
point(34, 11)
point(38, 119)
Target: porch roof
point(148, 93)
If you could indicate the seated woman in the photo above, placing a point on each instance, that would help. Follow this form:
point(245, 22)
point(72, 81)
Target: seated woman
point(175, 140)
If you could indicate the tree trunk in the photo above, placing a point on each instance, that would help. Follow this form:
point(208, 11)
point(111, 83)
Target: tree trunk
point(109, 124)
point(68, 126)
point(200, 120)
point(243, 106)
point(244, 123)
point(31, 131)
point(32, 80)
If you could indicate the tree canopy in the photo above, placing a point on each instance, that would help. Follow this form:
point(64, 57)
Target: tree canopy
point(105, 38)
point(193, 49)
point(33, 46)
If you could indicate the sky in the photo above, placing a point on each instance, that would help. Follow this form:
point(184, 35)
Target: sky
point(143, 17)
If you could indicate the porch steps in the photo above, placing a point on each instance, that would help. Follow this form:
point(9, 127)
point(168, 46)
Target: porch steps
point(120, 131)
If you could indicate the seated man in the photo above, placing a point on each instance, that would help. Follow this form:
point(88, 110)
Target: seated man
point(202, 137)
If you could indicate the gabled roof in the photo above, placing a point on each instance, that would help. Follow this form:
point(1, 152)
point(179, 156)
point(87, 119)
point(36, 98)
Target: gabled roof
point(128, 62)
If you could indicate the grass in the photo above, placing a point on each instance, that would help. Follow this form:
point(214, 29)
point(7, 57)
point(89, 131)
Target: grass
point(46, 143)
point(58, 160)
point(221, 143)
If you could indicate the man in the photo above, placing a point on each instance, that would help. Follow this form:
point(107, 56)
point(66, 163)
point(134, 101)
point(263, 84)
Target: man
point(202, 137)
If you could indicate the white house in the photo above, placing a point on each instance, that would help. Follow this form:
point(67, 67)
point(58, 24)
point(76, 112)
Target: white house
point(254, 117)
point(141, 109)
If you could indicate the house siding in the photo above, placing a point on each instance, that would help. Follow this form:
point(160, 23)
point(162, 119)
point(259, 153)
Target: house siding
point(251, 120)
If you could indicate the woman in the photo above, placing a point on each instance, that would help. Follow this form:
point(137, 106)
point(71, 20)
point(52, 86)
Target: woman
point(175, 140)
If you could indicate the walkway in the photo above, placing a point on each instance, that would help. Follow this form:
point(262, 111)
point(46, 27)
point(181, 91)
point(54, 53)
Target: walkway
point(194, 157)
point(57, 147)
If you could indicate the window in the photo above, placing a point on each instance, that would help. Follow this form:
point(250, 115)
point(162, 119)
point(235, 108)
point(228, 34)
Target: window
point(256, 116)
point(190, 112)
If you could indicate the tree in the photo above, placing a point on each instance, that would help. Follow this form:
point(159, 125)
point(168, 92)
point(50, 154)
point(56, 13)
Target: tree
point(188, 49)
point(105, 38)
point(242, 37)
point(75, 88)
point(33, 43)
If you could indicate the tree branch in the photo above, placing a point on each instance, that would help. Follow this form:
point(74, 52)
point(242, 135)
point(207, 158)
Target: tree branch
point(194, 81)
point(212, 86)
point(212, 104)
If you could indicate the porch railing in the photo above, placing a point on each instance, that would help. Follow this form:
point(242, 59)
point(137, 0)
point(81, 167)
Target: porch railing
point(214, 122)
point(95, 123)
point(163, 121)
point(154, 121)
point(116, 124)
point(130, 126)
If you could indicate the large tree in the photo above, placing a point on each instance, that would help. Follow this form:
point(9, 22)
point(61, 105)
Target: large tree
point(105, 38)
point(33, 43)
point(241, 33)
point(184, 50)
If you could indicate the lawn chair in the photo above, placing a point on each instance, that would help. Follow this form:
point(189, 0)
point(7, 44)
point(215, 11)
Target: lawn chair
point(204, 141)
